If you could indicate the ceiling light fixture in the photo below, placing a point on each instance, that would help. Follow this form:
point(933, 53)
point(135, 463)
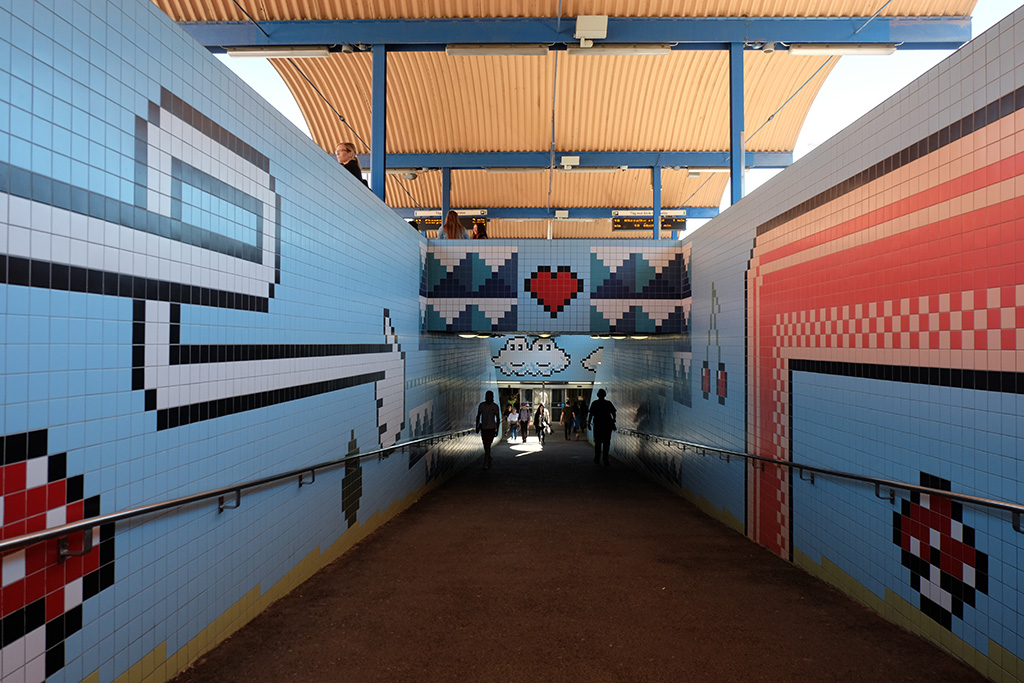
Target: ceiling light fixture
point(707, 169)
point(590, 169)
point(496, 49)
point(621, 49)
point(842, 49)
point(280, 51)
point(515, 169)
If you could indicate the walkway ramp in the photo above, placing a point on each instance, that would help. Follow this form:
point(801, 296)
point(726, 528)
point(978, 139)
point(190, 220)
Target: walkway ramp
point(548, 567)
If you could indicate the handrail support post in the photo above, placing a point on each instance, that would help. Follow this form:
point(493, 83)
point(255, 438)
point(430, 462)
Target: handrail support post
point(878, 493)
point(222, 505)
point(312, 478)
point(64, 552)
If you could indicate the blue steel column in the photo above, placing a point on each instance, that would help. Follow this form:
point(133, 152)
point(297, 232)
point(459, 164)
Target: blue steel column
point(656, 184)
point(736, 119)
point(446, 192)
point(378, 127)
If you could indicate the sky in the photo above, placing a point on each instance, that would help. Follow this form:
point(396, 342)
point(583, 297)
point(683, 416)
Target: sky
point(854, 87)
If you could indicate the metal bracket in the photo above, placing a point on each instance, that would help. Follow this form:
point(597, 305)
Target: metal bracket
point(800, 473)
point(1016, 522)
point(63, 552)
point(312, 478)
point(878, 493)
point(222, 506)
point(758, 464)
point(723, 456)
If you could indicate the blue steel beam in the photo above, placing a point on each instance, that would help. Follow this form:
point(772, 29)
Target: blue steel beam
point(378, 115)
point(736, 119)
point(446, 192)
point(687, 33)
point(656, 185)
point(541, 213)
point(477, 160)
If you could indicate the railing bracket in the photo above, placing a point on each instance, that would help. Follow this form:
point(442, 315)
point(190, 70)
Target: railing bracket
point(878, 493)
point(312, 479)
point(800, 473)
point(723, 456)
point(222, 506)
point(1016, 522)
point(64, 552)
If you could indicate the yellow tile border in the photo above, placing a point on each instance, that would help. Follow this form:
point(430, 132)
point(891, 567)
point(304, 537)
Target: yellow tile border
point(158, 667)
point(999, 665)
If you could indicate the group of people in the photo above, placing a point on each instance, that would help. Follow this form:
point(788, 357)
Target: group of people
point(452, 229)
point(600, 417)
point(518, 419)
point(574, 419)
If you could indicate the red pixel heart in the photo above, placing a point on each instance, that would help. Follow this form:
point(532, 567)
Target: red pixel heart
point(553, 291)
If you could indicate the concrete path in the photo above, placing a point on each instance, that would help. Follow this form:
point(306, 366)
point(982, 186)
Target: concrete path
point(548, 567)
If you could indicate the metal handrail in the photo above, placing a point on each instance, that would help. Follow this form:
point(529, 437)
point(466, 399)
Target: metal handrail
point(1014, 509)
point(236, 490)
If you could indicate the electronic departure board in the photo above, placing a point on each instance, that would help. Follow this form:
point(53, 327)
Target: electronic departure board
point(647, 223)
point(434, 222)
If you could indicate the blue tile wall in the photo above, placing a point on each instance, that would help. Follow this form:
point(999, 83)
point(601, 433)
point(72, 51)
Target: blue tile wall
point(190, 299)
point(861, 312)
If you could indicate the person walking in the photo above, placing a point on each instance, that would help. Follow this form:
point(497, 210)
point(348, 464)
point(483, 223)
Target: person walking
point(524, 422)
point(567, 420)
point(513, 422)
point(602, 419)
point(541, 420)
point(488, 419)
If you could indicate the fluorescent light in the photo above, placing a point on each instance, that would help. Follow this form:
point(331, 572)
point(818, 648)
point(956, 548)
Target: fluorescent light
point(515, 169)
point(707, 169)
point(590, 169)
point(621, 49)
point(842, 49)
point(496, 49)
point(279, 51)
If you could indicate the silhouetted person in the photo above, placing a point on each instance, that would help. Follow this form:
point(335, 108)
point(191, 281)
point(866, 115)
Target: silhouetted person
point(488, 419)
point(602, 418)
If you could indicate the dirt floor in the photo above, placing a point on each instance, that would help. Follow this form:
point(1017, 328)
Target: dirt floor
point(551, 568)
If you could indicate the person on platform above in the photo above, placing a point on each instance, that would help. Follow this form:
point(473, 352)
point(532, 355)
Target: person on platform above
point(488, 420)
point(345, 153)
point(452, 228)
point(602, 418)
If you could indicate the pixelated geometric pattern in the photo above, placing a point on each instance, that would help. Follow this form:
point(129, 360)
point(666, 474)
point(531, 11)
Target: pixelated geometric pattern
point(940, 551)
point(645, 291)
point(553, 291)
point(41, 600)
point(925, 279)
point(522, 358)
point(471, 289)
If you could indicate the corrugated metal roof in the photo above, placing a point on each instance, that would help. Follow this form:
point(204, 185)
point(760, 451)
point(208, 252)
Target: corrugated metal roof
point(280, 10)
point(442, 103)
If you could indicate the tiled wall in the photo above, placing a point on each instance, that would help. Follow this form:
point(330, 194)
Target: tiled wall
point(566, 286)
point(864, 312)
point(191, 297)
point(566, 358)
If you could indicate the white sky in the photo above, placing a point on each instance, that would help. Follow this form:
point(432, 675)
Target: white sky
point(856, 85)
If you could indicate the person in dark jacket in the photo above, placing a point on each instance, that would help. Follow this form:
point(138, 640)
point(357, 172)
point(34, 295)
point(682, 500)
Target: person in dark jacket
point(602, 419)
point(345, 153)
